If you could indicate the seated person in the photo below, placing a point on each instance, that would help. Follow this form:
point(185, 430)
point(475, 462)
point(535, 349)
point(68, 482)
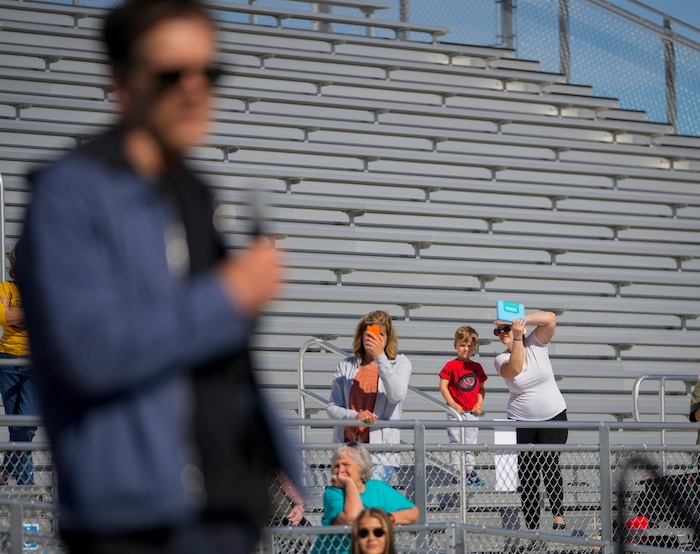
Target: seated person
point(351, 491)
point(373, 533)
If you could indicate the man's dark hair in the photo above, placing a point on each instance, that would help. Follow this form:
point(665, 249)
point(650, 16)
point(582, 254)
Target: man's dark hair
point(125, 25)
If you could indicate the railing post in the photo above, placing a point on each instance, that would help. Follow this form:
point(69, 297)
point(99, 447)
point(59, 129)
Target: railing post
point(662, 409)
point(507, 27)
point(670, 74)
point(420, 472)
point(266, 541)
point(464, 497)
point(455, 540)
point(323, 26)
point(564, 36)
point(606, 489)
point(16, 531)
point(404, 17)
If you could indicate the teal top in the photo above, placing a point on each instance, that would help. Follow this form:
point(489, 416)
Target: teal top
point(377, 495)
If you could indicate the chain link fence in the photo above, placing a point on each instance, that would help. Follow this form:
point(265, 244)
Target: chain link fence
point(490, 517)
point(648, 62)
point(608, 492)
point(28, 512)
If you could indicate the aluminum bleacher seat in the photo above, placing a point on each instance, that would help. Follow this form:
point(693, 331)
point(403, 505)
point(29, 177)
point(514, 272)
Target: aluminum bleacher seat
point(86, 17)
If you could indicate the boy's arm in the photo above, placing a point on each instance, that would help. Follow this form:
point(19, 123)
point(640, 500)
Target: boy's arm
point(478, 407)
point(448, 397)
point(12, 316)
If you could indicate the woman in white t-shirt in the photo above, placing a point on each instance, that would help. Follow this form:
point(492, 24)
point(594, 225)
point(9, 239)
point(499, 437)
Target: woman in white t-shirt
point(534, 396)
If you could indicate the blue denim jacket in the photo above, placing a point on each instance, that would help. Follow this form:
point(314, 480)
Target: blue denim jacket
point(115, 332)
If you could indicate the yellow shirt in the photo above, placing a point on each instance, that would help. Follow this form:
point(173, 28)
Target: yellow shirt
point(14, 340)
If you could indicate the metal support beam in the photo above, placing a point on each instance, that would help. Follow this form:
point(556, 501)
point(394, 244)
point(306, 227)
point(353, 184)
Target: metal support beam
point(564, 36)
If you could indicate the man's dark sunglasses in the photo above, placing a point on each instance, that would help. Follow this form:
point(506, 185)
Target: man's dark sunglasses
point(168, 79)
point(364, 533)
point(498, 330)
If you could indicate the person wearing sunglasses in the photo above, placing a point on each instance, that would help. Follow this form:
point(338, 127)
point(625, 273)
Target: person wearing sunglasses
point(534, 396)
point(351, 490)
point(140, 322)
point(373, 533)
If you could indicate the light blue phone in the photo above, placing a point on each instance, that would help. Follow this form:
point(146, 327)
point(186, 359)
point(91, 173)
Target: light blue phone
point(508, 311)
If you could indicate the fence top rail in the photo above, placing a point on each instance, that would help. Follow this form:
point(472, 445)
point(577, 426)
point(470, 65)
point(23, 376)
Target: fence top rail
point(589, 543)
point(21, 420)
point(500, 424)
point(34, 504)
point(15, 361)
point(650, 26)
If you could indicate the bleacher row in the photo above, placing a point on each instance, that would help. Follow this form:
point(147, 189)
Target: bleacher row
point(422, 178)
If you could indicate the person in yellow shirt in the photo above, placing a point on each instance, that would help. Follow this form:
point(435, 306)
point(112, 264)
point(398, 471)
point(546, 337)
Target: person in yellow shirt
point(16, 388)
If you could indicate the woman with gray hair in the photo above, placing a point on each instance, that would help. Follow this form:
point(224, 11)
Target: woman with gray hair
point(351, 490)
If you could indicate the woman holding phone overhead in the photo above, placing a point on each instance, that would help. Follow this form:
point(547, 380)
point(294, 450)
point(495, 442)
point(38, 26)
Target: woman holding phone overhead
point(370, 386)
point(534, 396)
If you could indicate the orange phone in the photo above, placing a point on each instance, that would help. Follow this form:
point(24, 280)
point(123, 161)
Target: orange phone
point(374, 329)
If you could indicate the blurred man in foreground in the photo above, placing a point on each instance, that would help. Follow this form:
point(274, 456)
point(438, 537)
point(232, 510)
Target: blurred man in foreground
point(138, 321)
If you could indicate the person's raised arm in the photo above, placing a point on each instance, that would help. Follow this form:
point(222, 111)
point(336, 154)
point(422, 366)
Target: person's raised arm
point(546, 324)
point(514, 365)
point(352, 505)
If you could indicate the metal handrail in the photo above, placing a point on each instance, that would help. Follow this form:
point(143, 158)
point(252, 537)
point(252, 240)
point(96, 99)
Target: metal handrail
point(662, 378)
point(648, 25)
point(303, 393)
point(15, 361)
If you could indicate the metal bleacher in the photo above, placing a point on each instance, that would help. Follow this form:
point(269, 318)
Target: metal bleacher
point(421, 178)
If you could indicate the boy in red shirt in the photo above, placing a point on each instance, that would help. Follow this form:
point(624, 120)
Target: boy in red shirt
point(462, 386)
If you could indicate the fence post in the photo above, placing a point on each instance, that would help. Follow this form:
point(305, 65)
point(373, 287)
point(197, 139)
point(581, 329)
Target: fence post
point(455, 540)
point(564, 37)
point(606, 489)
point(404, 17)
point(420, 472)
point(507, 27)
point(670, 71)
point(16, 531)
point(323, 26)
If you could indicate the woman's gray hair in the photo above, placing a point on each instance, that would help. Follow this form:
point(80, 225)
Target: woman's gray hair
point(358, 453)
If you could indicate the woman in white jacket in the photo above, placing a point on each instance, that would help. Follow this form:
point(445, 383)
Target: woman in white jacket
point(370, 386)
